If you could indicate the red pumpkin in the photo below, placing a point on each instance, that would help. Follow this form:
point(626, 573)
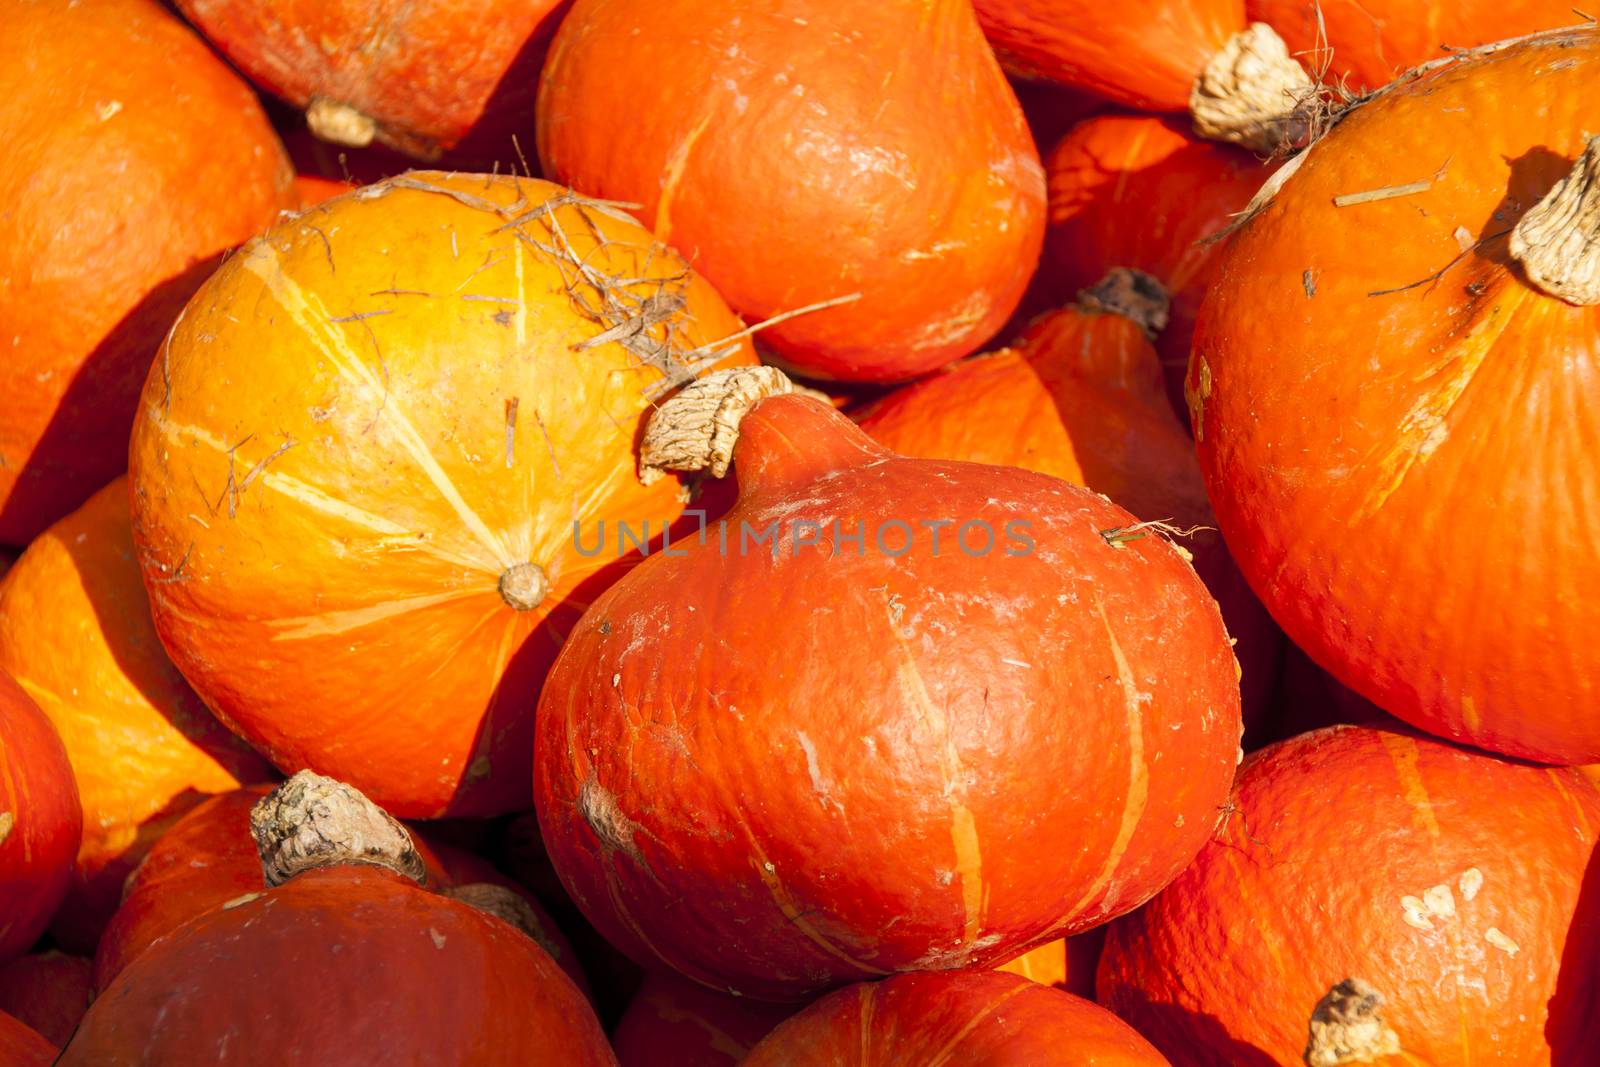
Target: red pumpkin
point(396, 967)
point(48, 991)
point(40, 820)
point(1141, 191)
point(1235, 79)
point(376, 585)
point(844, 800)
point(422, 78)
point(209, 858)
point(134, 158)
point(1079, 397)
point(1365, 43)
point(312, 190)
point(1410, 900)
point(22, 1046)
point(805, 152)
point(974, 1019)
point(76, 633)
point(673, 1022)
point(1359, 376)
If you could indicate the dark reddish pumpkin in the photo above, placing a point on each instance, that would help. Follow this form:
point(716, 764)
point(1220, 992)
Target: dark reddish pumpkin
point(1143, 192)
point(387, 414)
point(1362, 44)
point(399, 971)
point(957, 758)
point(1080, 397)
point(1394, 422)
point(23, 1046)
point(1444, 880)
point(76, 633)
point(40, 820)
point(134, 158)
point(974, 1019)
point(801, 152)
point(48, 991)
point(422, 77)
point(673, 1022)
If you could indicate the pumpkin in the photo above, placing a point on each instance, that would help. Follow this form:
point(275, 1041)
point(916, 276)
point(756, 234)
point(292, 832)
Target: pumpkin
point(134, 158)
point(807, 153)
point(1079, 397)
point(1378, 335)
point(398, 968)
point(22, 1046)
point(209, 858)
point(672, 1022)
point(40, 819)
point(312, 190)
point(48, 991)
point(76, 634)
point(846, 798)
point(422, 78)
point(1235, 79)
point(975, 1019)
point(1364, 43)
point(1374, 897)
point(370, 462)
point(1142, 192)
point(1068, 964)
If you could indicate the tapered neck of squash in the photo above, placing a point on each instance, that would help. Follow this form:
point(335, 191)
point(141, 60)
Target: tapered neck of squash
point(311, 821)
point(1557, 241)
point(751, 415)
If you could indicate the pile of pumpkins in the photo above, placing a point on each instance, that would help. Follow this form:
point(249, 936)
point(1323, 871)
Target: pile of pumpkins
point(695, 533)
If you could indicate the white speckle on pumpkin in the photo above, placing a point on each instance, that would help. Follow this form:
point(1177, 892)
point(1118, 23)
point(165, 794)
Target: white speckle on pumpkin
point(1416, 913)
point(437, 937)
point(105, 110)
point(1471, 881)
point(1501, 941)
point(616, 680)
point(1440, 901)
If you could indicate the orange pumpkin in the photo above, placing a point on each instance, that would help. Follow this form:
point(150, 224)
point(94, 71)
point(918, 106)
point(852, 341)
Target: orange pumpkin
point(805, 152)
point(362, 455)
point(1375, 897)
point(1235, 79)
point(134, 158)
point(1080, 397)
point(75, 632)
point(421, 77)
point(40, 820)
point(1067, 964)
point(929, 1020)
point(23, 1046)
point(1365, 43)
point(673, 1022)
point(48, 991)
point(1394, 419)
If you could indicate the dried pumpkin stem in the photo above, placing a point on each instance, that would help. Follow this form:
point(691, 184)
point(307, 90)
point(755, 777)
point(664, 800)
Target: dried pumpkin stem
point(1133, 294)
point(311, 821)
point(1346, 1027)
point(697, 428)
point(1558, 239)
point(339, 123)
point(1251, 92)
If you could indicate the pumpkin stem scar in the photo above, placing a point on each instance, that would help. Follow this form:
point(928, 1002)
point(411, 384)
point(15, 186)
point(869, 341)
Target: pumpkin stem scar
point(311, 821)
point(1346, 1027)
point(1133, 294)
point(340, 123)
point(524, 585)
point(1557, 242)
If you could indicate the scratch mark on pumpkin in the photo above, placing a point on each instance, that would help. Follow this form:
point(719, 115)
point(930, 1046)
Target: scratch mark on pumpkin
point(1138, 771)
point(306, 310)
point(1582, 819)
point(1501, 941)
point(673, 177)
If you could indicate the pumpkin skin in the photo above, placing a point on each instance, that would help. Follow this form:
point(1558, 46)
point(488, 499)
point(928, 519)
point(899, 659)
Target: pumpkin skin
point(1142, 191)
point(1079, 397)
point(975, 1019)
point(48, 991)
point(76, 633)
point(672, 1022)
point(1344, 453)
point(397, 968)
point(40, 820)
point(430, 76)
point(209, 858)
point(22, 1046)
point(343, 438)
point(860, 811)
point(1068, 964)
point(1456, 883)
point(1365, 43)
point(93, 141)
point(791, 170)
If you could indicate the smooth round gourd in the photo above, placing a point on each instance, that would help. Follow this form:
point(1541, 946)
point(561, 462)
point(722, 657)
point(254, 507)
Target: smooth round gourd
point(40, 820)
point(361, 455)
point(673, 1022)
